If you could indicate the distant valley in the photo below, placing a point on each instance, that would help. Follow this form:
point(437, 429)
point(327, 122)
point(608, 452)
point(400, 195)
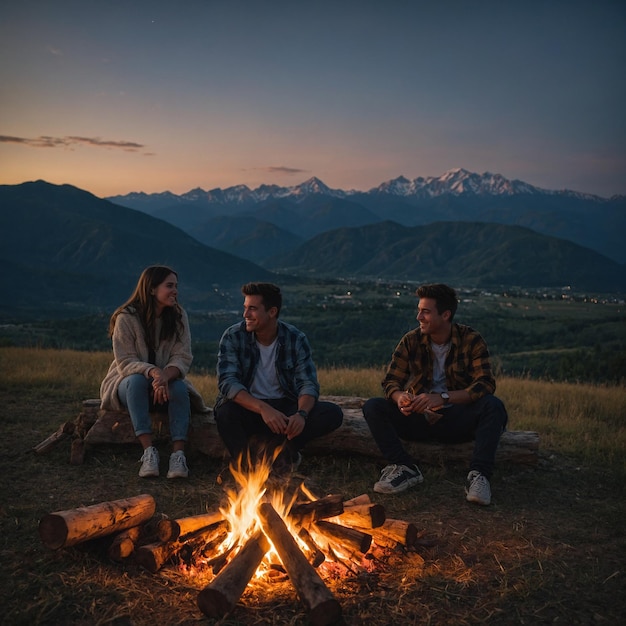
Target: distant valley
point(67, 251)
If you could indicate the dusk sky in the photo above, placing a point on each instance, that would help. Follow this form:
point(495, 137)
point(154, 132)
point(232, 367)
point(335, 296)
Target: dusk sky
point(115, 96)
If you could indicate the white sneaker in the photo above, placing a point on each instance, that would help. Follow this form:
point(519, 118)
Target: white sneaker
point(297, 461)
point(178, 465)
point(396, 478)
point(478, 488)
point(149, 463)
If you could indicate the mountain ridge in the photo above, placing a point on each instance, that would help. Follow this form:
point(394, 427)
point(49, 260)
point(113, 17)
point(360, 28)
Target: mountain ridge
point(67, 250)
point(470, 253)
point(455, 181)
point(457, 195)
point(49, 233)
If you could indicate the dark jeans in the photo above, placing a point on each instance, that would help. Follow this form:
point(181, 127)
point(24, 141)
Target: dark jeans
point(245, 431)
point(482, 421)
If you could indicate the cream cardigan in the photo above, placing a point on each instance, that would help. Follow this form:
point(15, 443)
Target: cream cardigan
point(130, 356)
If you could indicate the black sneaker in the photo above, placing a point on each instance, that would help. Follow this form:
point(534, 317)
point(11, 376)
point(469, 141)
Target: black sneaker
point(396, 478)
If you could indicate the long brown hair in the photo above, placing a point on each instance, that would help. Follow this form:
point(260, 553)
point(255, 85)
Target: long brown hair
point(143, 304)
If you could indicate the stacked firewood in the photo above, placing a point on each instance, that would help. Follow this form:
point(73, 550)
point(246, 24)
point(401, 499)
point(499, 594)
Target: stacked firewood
point(329, 529)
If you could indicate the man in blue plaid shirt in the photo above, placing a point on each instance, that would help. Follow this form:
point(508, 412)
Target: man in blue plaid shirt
point(439, 386)
point(268, 403)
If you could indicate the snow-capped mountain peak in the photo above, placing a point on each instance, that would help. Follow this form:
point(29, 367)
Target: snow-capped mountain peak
point(457, 182)
point(312, 186)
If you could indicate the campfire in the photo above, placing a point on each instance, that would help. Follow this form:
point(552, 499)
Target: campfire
point(270, 529)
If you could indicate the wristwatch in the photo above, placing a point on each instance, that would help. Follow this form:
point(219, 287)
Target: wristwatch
point(303, 413)
point(445, 396)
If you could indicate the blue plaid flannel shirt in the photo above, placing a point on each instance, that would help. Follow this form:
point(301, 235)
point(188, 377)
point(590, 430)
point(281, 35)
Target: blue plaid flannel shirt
point(238, 357)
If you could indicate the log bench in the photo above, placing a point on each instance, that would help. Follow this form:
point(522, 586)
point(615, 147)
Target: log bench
point(95, 426)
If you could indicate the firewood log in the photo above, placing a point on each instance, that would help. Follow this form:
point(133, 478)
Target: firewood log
point(323, 608)
point(304, 513)
point(77, 452)
point(351, 539)
point(222, 594)
point(362, 515)
point(67, 528)
point(316, 557)
point(64, 431)
point(215, 537)
point(394, 533)
point(354, 437)
point(170, 530)
point(351, 438)
point(153, 556)
point(123, 544)
point(194, 546)
point(357, 501)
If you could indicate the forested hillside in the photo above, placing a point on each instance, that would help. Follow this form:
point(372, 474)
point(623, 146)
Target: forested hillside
point(557, 335)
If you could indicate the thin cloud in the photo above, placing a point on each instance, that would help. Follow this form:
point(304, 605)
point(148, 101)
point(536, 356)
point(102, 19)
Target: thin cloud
point(96, 141)
point(43, 141)
point(290, 171)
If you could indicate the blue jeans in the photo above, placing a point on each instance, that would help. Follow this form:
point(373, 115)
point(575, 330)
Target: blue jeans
point(482, 421)
point(135, 393)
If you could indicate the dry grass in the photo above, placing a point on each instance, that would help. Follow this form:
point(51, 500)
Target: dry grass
point(549, 550)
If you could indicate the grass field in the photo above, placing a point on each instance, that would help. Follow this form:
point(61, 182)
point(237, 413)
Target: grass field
point(550, 549)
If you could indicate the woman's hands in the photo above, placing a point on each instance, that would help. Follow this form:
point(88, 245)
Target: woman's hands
point(159, 385)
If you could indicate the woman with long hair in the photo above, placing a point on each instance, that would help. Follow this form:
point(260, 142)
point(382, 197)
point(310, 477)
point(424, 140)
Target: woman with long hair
point(151, 358)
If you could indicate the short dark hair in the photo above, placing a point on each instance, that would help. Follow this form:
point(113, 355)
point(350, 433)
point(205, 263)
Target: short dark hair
point(444, 296)
point(269, 292)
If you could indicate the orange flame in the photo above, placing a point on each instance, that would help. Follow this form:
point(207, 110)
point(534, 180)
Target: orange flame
point(252, 478)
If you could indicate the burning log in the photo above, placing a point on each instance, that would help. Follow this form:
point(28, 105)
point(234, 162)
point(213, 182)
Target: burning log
point(357, 500)
point(221, 595)
point(170, 530)
point(349, 539)
point(359, 511)
point(67, 528)
point(65, 430)
point(363, 515)
point(153, 556)
point(216, 535)
point(394, 533)
point(322, 606)
point(304, 513)
point(317, 556)
point(218, 562)
point(205, 542)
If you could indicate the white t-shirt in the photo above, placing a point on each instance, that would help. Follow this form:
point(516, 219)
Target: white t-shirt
point(265, 383)
point(440, 352)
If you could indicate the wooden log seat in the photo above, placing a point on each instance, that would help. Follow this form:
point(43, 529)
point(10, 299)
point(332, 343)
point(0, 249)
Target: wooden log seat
point(95, 426)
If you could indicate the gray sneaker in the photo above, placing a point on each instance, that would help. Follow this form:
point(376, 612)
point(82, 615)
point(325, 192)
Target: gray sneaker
point(396, 478)
point(478, 488)
point(178, 465)
point(149, 463)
